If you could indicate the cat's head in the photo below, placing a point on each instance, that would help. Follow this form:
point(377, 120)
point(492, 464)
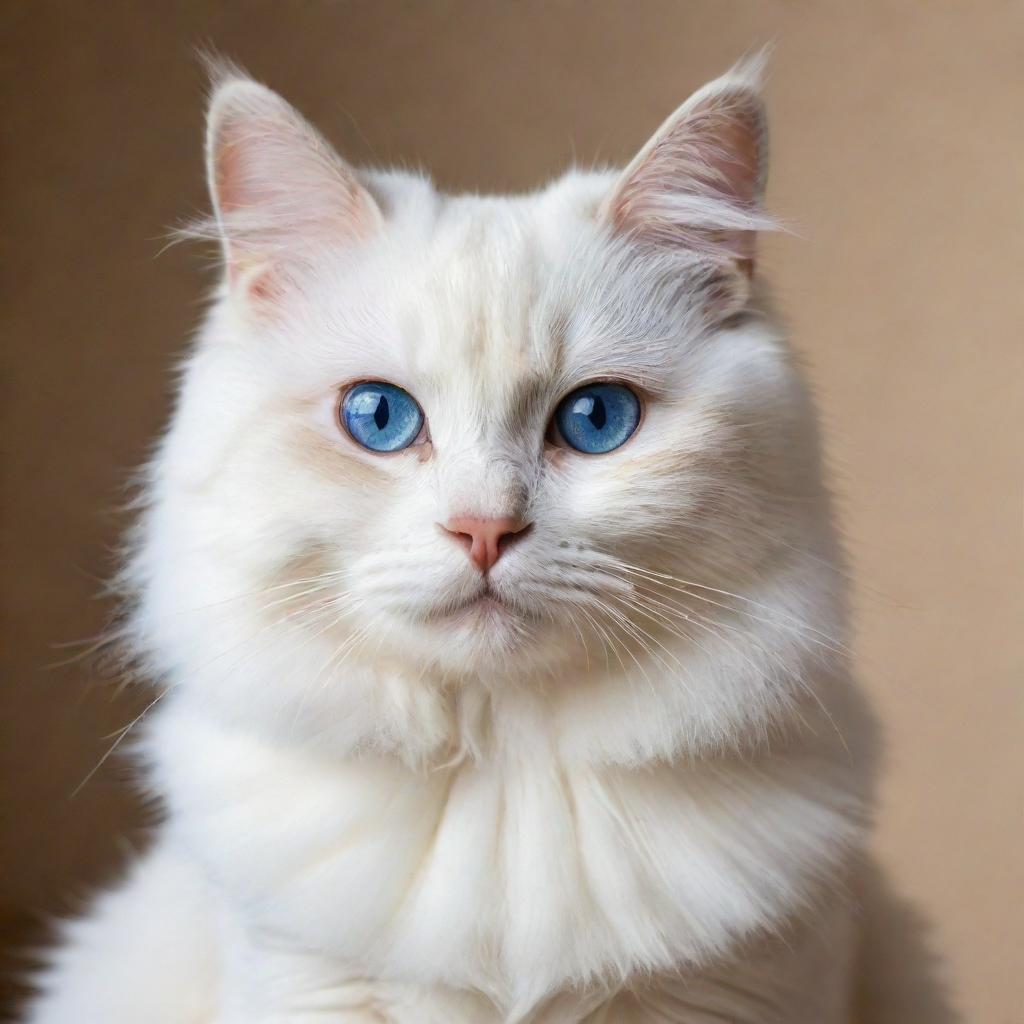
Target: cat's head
point(471, 437)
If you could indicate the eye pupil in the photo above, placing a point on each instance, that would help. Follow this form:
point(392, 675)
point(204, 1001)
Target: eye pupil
point(380, 414)
point(598, 418)
point(381, 417)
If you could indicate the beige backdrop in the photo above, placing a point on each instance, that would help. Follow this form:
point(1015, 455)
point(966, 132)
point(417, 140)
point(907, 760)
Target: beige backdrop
point(898, 150)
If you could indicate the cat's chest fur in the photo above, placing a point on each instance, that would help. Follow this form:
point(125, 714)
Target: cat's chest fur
point(518, 876)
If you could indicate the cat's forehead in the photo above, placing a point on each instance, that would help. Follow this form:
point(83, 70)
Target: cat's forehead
point(489, 308)
point(484, 284)
point(492, 293)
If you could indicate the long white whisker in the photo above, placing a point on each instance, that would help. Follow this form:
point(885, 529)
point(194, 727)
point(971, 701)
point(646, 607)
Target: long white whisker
point(658, 578)
point(118, 741)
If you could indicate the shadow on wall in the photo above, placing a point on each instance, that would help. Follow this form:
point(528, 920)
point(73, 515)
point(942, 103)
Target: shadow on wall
point(901, 976)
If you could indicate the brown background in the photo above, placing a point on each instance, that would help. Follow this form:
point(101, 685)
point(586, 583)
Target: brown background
point(898, 159)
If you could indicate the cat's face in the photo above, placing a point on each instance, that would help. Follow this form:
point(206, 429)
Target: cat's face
point(473, 330)
point(478, 435)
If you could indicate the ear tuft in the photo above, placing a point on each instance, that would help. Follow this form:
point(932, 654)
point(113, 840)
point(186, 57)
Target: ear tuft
point(698, 184)
point(276, 185)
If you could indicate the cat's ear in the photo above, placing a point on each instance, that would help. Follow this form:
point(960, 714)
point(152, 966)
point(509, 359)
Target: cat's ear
point(699, 182)
point(278, 188)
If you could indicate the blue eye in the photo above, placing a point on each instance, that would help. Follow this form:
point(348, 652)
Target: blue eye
point(381, 417)
point(598, 418)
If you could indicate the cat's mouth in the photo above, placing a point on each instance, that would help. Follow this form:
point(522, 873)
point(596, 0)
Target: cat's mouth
point(486, 604)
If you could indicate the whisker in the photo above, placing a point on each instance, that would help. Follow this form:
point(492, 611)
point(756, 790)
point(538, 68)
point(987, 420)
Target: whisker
point(122, 734)
point(658, 579)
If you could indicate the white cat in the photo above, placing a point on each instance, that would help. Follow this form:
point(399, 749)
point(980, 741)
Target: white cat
point(491, 584)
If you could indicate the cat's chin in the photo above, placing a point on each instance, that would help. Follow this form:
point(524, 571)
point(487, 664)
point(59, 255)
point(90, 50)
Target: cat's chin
point(485, 631)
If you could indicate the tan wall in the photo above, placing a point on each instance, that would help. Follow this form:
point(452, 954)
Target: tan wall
point(898, 160)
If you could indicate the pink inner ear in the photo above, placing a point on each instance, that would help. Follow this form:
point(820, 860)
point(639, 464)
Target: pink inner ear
point(728, 140)
point(278, 187)
point(698, 183)
point(228, 175)
point(733, 139)
point(243, 200)
point(227, 171)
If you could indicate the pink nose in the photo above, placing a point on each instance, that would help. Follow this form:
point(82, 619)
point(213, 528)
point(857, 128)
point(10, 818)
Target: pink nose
point(484, 539)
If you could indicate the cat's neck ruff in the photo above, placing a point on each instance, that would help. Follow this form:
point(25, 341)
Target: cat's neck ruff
point(606, 872)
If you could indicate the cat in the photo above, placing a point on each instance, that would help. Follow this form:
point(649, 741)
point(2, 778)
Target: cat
point(490, 583)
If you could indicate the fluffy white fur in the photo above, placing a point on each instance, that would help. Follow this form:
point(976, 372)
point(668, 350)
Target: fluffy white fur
point(632, 793)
